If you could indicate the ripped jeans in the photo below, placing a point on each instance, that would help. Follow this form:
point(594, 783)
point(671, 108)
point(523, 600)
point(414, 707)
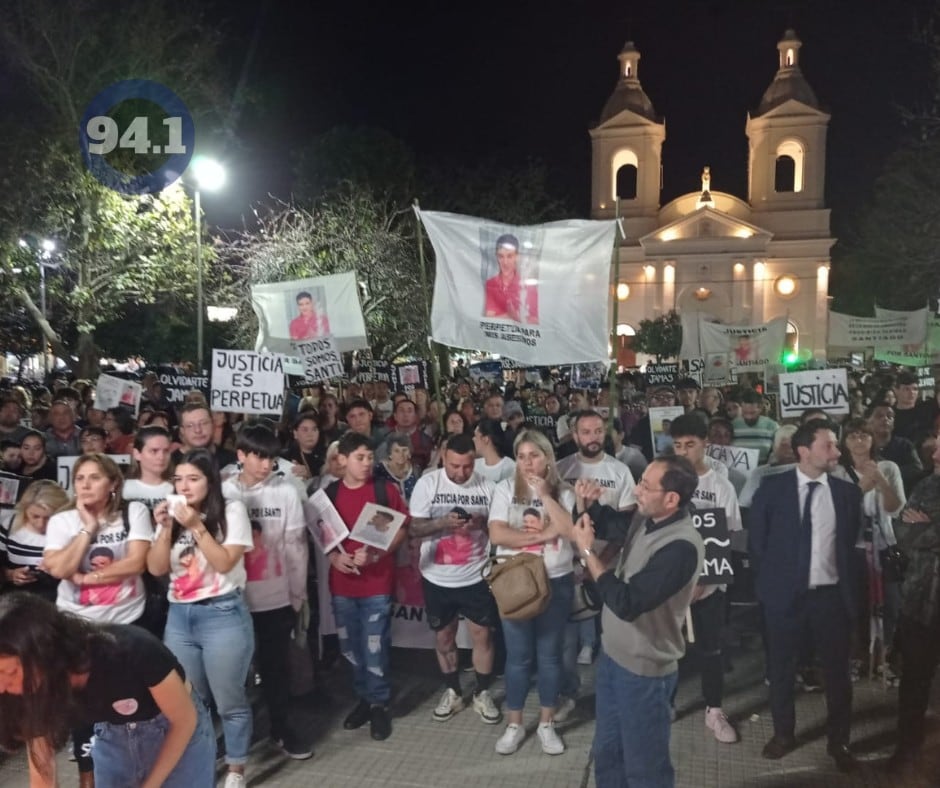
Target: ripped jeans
point(363, 625)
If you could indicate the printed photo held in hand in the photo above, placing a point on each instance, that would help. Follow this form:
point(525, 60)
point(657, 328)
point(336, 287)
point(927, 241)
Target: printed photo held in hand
point(325, 524)
point(377, 526)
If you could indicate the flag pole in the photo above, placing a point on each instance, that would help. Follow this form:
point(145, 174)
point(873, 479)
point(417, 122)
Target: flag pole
point(435, 369)
point(612, 375)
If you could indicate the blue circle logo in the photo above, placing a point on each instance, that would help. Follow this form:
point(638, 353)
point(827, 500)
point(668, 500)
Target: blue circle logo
point(137, 137)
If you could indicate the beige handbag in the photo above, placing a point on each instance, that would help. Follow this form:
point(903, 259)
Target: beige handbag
point(520, 585)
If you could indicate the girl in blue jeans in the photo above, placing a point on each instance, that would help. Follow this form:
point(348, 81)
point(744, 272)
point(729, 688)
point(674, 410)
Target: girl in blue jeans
point(58, 671)
point(201, 542)
point(531, 512)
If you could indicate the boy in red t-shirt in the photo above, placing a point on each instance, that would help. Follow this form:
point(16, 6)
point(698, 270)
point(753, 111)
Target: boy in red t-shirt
point(361, 583)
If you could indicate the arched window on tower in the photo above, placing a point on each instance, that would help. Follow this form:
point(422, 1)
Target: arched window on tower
point(625, 171)
point(788, 172)
point(791, 57)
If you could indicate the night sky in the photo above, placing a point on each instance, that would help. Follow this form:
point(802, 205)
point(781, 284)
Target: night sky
point(527, 79)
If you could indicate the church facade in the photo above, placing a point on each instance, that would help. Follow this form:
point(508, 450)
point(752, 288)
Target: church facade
point(740, 261)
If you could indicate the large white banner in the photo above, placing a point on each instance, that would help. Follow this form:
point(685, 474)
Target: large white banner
point(741, 348)
point(826, 389)
point(305, 309)
point(913, 355)
point(537, 294)
point(891, 329)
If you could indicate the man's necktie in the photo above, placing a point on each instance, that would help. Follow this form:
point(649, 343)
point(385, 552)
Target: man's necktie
point(806, 533)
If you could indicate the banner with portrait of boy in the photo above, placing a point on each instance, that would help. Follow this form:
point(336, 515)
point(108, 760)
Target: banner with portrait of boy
point(739, 349)
point(537, 294)
point(309, 309)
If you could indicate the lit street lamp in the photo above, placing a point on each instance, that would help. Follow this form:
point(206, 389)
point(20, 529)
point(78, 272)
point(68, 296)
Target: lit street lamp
point(208, 174)
point(43, 248)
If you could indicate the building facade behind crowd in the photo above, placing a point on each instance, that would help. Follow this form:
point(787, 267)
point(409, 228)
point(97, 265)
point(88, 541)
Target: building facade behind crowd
point(426, 448)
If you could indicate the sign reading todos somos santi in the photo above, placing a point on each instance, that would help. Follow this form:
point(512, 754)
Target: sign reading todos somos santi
point(537, 294)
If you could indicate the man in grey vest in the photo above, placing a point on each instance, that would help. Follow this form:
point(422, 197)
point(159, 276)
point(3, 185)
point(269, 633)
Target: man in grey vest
point(646, 597)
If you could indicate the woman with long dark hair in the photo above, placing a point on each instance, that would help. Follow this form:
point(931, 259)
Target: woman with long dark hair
point(59, 671)
point(308, 448)
point(201, 544)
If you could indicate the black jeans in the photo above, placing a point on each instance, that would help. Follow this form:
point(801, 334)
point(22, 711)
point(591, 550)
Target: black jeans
point(920, 654)
point(708, 620)
point(272, 646)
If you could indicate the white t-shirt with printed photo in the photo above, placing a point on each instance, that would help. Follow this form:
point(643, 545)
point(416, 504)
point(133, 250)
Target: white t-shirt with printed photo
point(148, 494)
point(121, 602)
point(558, 554)
point(452, 559)
point(192, 577)
point(615, 480)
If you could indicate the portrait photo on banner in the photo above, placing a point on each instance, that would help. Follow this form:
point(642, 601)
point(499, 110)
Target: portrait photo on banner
point(509, 269)
point(326, 526)
point(311, 320)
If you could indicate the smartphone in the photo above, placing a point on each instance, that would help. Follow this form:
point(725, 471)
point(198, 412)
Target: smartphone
point(174, 503)
point(461, 513)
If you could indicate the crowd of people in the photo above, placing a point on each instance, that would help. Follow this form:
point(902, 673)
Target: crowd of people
point(193, 564)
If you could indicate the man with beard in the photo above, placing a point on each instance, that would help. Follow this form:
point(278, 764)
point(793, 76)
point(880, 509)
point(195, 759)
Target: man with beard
point(593, 464)
point(11, 426)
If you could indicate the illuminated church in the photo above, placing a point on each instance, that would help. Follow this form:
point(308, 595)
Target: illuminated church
point(738, 260)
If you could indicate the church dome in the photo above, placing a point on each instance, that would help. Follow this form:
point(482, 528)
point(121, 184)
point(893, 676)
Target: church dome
point(629, 94)
point(789, 82)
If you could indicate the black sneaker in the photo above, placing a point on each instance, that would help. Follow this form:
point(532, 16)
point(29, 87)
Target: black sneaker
point(292, 748)
point(358, 717)
point(381, 727)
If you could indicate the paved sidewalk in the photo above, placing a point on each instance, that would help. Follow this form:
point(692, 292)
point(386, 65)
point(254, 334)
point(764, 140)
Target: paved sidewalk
point(422, 753)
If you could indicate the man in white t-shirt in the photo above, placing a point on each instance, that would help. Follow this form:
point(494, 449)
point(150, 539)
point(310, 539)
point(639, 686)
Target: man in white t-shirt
point(714, 492)
point(614, 478)
point(449, 510)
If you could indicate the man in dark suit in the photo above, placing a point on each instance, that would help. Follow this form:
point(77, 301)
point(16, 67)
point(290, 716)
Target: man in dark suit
point(803, 527)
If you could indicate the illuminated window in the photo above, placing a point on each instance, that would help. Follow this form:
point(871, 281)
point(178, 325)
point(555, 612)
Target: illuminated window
point(788, 173)
point(625, 168)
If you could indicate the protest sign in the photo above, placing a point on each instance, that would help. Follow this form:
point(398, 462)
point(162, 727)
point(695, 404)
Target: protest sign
point(660, 421)
point(112, 392)
point(244, 381)
point(66, 464)
point(491, 371)
point(377, 525)
point(176, 385)
point(589, 376)
point(826, 389)
point(661, 374)
point(712, 525)
point(537, 293)
point(326, 526)
point(410, 375)
point(321, 359)
point(737, 457)
point(893, 329)
point(373, 370)
point(305, 309)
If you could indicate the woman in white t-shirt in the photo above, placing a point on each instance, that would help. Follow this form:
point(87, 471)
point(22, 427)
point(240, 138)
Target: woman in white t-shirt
point(532, 512)
point(201, 544)
point(148, 479)
point(98, 548)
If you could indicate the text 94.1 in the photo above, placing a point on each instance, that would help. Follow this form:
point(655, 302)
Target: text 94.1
point(104, 136)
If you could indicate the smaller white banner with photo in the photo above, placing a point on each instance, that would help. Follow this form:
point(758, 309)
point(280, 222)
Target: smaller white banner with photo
point(326, 526)
point(377, 526)
point(112, 392)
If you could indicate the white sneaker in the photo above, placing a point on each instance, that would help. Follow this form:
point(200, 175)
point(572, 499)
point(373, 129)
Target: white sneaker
point(724, 731)
point(512, 737)
point(564, 708)
point(551, 744)
point(234, 780)
point(449, 705)
point(484, 706)
point(586, 655)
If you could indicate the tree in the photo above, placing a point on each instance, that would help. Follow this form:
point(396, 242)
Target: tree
point(117, 250)
point(350, 230)
point(660, 337)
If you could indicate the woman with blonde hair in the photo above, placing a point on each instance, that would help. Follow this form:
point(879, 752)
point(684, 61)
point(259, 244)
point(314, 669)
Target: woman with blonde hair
point(535, 488)
point(97, 548)
point(21, 548)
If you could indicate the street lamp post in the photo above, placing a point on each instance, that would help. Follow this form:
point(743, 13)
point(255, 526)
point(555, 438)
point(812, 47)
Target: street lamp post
point(44, 249)
point(207, 174)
